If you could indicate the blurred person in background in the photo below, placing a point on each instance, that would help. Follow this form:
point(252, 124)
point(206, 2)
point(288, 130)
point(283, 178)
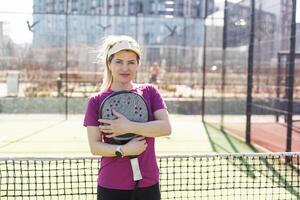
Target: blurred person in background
point(154, 72)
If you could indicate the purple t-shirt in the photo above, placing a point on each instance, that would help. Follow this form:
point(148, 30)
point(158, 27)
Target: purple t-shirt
point(114, 172)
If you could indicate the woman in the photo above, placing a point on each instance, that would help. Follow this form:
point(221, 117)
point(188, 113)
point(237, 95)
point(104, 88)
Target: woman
point(122, 57)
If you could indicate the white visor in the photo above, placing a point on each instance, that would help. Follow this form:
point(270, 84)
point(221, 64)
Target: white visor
point(124, 45)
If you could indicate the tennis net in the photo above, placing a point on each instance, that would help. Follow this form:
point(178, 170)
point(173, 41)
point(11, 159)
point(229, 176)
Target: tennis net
point(205, 176)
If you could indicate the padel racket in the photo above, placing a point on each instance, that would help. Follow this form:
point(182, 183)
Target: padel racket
point(133, 106)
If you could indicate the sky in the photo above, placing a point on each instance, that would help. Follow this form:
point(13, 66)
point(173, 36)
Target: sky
point(17, 12)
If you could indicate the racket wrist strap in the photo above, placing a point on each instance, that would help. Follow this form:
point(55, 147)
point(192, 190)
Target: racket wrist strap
point(136, 169)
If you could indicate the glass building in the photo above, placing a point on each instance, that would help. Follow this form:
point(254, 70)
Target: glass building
point(170, 31)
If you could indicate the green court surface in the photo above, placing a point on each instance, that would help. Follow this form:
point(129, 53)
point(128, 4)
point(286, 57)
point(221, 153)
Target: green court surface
point(47, 135)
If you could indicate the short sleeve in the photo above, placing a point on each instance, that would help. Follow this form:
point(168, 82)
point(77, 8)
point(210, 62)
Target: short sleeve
point(91, 114)
point(157, 101)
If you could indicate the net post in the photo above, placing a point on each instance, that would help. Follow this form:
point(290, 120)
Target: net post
point(204, 65)
point(290, 80)
point(250, 74)
point(224, 46)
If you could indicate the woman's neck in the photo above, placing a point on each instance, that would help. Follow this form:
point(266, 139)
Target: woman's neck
point(119, 87)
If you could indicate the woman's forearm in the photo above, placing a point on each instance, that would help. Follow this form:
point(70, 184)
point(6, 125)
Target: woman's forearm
point(155, 128)
point(103, 149)
point(134, 147)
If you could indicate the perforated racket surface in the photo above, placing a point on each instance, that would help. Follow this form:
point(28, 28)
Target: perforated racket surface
point(130, 104)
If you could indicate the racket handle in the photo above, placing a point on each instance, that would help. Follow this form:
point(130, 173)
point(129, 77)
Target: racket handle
point(136, 169)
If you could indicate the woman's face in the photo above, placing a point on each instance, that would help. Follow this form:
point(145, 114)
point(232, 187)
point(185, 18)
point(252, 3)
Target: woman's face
point(123, 67)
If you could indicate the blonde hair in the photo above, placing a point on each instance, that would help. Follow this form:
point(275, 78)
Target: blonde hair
point(107, 43)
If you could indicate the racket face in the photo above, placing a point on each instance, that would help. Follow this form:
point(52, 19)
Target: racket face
point(131, 105)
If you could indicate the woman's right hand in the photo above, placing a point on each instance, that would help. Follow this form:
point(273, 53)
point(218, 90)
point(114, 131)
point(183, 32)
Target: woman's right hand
point(135, 147)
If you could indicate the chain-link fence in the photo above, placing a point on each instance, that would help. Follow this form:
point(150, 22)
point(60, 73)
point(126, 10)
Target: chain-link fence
point(251, 68)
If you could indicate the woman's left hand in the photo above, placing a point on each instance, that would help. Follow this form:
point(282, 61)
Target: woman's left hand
point(116, 127)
